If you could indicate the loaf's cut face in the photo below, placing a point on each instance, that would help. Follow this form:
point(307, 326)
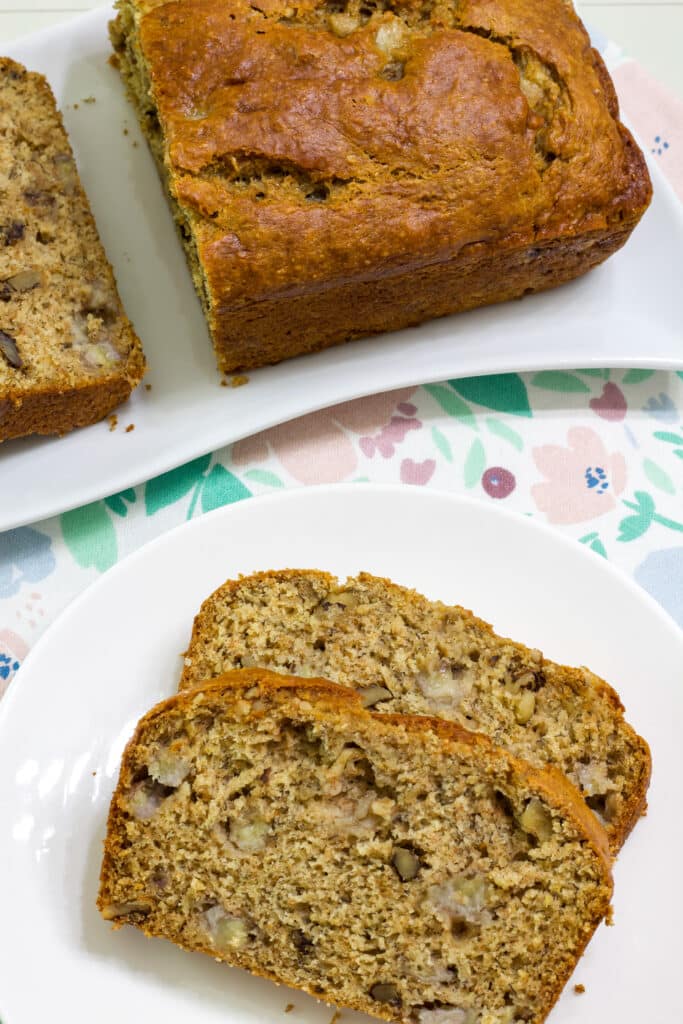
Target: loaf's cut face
point(68, 353)
point(397, 865)
point(343, 167)
point(408, 654)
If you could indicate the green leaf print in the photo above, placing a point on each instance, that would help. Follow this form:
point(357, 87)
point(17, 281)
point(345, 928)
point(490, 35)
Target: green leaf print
point(505, 432)
point(635, 526)
point(598, 547)
point(644, 504)
point(558, 380)
point(594, 543)
point(658, 477)
point(117, 502)
point(664, 435)
point(263, 476)
point(90, 536)
point(442, 443)
point(452, 405)
point(636, 376)
point(604, 374)
point(504, 392)
point(222, 488)
point(170, 487)
point(475, 463)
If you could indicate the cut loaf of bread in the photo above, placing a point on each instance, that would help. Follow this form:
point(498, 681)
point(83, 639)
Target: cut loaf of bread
point(412, 655)
point(394, 864)
point(68, 353)
point(337, 168)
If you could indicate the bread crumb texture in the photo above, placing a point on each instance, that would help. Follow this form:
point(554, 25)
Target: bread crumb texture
point(396, 865)
point(417, 158)
point(68, 353)
point(408, 654)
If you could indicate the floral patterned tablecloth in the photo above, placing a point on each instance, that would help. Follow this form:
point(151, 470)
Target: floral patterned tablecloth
point(596, 453)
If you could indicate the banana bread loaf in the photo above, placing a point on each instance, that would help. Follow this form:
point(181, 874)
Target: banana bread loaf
point(68, 353)
point(398, 865)
point(412, 655)
point(343, 167)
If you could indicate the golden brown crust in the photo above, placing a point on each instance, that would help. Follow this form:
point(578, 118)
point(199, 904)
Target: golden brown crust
point(75, 354)
point(380, 134)
point(58, 412)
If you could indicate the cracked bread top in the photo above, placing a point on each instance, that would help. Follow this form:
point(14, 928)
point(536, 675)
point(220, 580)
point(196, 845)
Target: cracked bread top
point(363, 135)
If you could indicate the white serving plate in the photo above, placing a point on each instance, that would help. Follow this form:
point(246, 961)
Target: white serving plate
point(626, 313)
point(116, 651)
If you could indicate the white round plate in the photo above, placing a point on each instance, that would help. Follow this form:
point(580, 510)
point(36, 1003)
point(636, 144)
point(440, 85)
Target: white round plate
point(116, 651)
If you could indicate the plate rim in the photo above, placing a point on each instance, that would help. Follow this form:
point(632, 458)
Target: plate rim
point(168, 537)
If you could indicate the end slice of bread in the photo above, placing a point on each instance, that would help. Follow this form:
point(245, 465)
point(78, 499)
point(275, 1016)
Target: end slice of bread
point(68, 353)
point(394, 864)
point(409, 654)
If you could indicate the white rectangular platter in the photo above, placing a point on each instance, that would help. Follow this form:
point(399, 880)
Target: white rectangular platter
point(628, 312)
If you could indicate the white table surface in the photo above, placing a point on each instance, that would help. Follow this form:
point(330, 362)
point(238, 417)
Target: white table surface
point(651, 31)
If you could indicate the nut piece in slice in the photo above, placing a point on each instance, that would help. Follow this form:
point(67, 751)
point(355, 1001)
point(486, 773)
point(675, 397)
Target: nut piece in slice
point(304, 830)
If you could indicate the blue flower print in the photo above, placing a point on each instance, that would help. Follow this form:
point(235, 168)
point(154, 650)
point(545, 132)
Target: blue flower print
point(661, 408)
point(596, 479)
point(25, 557)
point(660, 575)
point(660, 145)
point(8, 666)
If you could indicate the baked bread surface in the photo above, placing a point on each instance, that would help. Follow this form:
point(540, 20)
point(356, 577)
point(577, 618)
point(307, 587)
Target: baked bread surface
point(397, 865)
point(409, 654)
point(322, 155)
point(68, 353)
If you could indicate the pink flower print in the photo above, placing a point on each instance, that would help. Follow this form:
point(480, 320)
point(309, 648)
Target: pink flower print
point(316, 449)
point(611, 405)
point(583, 480)
point(417, 472)
point(392, 434)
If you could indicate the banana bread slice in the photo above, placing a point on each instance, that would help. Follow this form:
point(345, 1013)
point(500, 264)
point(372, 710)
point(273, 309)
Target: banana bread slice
point(339, 168)
point(68, 353)
point(413, 655)
point(394, 864)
